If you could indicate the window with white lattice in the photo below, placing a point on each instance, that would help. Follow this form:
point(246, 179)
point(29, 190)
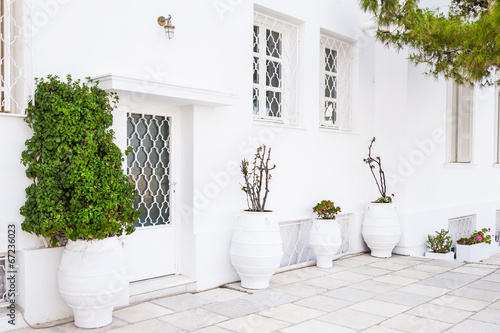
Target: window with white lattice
point(3, 280)
point(335, 84)
point(459, 123)
point(16, 81)
point(497, 227)
point(274, 70)
point(497, 128)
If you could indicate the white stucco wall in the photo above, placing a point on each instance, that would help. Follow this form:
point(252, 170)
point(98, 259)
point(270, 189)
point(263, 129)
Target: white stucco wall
point(410, 126)
point(211, 51)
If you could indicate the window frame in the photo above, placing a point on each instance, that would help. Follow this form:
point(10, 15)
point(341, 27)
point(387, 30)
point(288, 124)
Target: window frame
point(460, 121)
point(343, 100)
point(5, 58)
point(288, 70)
point(16, 63)
point(496, 161)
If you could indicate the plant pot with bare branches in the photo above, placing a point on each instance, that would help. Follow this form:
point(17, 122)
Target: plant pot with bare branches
point(381, 229)
point(256, 246)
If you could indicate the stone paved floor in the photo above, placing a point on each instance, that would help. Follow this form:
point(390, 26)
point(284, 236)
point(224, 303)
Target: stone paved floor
point(359, 294)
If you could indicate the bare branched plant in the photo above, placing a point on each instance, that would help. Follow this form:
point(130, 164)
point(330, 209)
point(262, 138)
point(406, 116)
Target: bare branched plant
point(376, 163)
point(257, 179)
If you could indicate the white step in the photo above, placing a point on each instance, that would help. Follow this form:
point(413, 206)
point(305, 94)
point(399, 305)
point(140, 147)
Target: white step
point(159, 287)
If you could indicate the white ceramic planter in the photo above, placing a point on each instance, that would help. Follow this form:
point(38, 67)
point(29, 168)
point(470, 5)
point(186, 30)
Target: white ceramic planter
point(325, 240)
point(92, 279)
point(440, 256)
point(473, 253)
point(256, 248)
point(381, 229)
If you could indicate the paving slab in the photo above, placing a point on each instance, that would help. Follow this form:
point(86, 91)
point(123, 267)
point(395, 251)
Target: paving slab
point(354, 319)
point(358, 294)
point(253, 323)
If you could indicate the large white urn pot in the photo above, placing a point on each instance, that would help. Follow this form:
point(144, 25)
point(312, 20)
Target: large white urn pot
point(91, 279)
point(381, 229)
point(256, 248)
point(325, 240)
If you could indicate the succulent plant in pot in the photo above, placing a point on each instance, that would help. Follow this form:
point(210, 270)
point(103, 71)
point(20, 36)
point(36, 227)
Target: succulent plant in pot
point(381, 229)
point(256, 245)
point(325, 237)
point(440, 245)
point(79, 193)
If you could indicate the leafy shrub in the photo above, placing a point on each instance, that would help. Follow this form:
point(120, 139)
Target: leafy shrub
point(441, 243)
point(79, 190)
point(326, 210)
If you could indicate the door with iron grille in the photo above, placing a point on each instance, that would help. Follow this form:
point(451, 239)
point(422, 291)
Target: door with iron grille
point(151, 248)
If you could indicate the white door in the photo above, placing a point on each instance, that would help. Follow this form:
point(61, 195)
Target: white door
point(150, 250)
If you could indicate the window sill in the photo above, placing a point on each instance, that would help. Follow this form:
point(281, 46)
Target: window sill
point(276, 124)
point(459, 165)
point(15, 115)
point(335, 130)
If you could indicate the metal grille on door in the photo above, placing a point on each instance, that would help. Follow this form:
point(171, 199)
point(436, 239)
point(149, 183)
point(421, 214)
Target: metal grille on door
point(149, 166)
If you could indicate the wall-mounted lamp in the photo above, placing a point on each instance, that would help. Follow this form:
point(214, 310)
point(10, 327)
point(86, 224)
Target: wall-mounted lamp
point(167, 24)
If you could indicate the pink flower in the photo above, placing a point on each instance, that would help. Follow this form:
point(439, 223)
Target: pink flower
point(479, 238)
point(392, 194)
point(489, 229)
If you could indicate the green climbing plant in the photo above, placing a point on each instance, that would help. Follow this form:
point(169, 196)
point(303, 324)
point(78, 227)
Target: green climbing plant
point(79, 190)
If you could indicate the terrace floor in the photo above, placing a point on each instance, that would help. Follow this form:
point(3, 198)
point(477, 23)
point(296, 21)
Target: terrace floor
point(358, 294)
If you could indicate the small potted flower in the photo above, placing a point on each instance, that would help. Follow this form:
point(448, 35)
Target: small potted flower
point(440, 246)
point(325, 237)
point(474, 248)
point(381, 229)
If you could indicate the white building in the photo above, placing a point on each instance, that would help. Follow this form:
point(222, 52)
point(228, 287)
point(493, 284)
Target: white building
point(321, 89)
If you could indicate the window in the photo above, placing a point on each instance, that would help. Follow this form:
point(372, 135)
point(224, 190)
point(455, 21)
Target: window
point(274, 70)
point(3, 281)
point(5, 57)
point(459, 129)
point(16, 79)
point(335, 83)
point(497, 128)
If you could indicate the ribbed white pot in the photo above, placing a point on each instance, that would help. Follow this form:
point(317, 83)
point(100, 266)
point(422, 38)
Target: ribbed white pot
point(91, 279)
point(325, 240)
point(381, 229)
point(256, 248)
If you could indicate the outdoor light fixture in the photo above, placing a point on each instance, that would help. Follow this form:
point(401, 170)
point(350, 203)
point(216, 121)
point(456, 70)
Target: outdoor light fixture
point(167, 24)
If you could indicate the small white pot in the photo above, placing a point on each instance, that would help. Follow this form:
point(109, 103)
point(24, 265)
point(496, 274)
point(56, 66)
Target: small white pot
point(381, 229)
point(440, 256)
point(473, 253)
point(256, 248)
point(325, 240)
point(92, 279)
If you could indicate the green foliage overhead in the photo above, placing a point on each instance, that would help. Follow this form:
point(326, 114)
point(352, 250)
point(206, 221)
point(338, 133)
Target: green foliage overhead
point(79, 190)
point(460, 41)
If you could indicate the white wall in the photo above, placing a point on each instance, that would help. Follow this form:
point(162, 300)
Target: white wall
point(211, 50)
point(410, 126)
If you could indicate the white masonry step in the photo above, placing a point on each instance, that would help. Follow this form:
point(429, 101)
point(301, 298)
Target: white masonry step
point(159, 287)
